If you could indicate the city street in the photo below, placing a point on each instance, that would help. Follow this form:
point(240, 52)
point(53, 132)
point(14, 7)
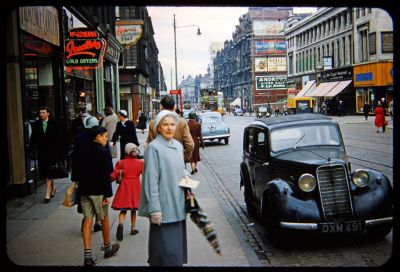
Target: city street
point(365, 148)
point(48, 234)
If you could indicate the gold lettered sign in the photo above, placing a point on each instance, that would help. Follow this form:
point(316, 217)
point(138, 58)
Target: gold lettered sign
point(128, 32)
point(84, 49)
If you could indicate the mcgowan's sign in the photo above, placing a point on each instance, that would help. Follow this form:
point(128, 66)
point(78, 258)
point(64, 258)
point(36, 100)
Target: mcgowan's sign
point(84, 49)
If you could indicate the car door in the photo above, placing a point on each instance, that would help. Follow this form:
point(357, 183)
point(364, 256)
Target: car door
point(259, 162)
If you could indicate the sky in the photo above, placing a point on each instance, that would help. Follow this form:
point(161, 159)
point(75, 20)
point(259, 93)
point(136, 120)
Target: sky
point(217, 24)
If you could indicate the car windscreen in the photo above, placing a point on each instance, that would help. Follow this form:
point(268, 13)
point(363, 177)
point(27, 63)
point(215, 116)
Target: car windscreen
point(313, 135)
point(211, 119)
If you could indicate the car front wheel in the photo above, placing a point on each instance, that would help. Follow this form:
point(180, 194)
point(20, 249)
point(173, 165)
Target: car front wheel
point(226, 140)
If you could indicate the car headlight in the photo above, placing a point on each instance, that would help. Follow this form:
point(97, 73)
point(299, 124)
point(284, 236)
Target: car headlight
point(307, 182)
point(360, 178)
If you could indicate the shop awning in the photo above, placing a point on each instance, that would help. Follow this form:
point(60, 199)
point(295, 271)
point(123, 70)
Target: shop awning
point(338, 88)
point(310, 85)
point(323, 88)
point(235, 102)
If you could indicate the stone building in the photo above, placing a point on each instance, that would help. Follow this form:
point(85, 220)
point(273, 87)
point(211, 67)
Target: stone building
point(333, 54)
point(139, 67)
point(241, 68)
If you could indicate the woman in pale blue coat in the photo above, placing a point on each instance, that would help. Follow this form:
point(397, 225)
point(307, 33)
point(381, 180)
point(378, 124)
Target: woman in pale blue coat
point(161, 198)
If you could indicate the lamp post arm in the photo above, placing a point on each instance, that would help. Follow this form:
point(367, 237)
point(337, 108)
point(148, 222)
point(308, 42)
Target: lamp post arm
point(186, 26)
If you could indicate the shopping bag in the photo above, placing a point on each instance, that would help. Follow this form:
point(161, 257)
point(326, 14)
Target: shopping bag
point(58, 171)
point(71, 197)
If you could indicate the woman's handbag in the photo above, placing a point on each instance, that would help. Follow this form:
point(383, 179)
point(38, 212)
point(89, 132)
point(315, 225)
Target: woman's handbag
point(71, 197)
point(120, 174)
point(58, 171)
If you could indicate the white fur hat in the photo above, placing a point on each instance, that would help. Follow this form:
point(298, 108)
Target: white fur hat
point(161, 115)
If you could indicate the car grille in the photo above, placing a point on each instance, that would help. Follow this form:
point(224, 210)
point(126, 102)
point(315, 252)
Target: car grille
point(334, 192)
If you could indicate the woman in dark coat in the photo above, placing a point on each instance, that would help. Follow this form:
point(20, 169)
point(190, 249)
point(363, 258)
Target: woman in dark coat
point(125, 131)
point(142, 122)
point(195, 131)
point(47, 139)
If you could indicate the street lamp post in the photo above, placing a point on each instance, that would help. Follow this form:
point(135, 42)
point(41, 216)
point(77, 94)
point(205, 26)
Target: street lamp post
point(176, 63)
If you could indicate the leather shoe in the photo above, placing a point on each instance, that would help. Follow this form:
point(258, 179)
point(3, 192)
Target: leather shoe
point(120, 232)
point(89, 262)
point(46, 200)
point(53, 193)
point(111, 252)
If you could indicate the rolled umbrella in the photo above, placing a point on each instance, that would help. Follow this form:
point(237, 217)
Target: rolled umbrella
point(200, 219)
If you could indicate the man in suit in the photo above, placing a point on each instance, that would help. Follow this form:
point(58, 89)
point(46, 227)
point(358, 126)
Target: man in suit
point(125, 131)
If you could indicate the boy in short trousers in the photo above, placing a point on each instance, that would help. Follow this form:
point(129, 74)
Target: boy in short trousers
point(94, 166)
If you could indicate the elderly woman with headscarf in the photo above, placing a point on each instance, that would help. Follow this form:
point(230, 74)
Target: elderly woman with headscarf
point(161, 199)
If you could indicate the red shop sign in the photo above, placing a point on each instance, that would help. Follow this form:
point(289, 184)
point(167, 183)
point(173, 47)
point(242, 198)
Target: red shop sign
point(86, 52)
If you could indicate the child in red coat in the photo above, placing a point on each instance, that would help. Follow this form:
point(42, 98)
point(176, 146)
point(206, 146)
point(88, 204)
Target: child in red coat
point(128, 192)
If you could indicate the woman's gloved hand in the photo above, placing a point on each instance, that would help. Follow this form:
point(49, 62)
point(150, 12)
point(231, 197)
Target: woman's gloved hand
point(156, 218)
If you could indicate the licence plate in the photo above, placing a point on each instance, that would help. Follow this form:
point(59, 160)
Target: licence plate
point(345, 227)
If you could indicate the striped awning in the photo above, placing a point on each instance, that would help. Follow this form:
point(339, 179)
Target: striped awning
point(338, 88)
point(310, 85)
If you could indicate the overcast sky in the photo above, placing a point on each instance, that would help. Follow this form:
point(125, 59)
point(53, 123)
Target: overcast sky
point(216, 25)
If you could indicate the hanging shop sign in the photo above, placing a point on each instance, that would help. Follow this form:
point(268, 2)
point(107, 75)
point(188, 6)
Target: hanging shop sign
point(270, 82)
point(128, 32)
point(84, 49)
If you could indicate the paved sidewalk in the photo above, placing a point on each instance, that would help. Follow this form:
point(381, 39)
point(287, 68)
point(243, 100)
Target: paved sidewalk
point(41, 234)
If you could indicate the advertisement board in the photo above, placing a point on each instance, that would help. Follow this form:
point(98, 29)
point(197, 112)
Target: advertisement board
point(270, 46)
point(272, 64)
point(264, 27)
point(277, 64)
point(270, 82)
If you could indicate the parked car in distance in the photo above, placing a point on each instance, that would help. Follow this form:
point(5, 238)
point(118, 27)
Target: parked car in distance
point(186, 113)
point(263, 112)
point(213, 127)
point(297, 178)
point(238, 111)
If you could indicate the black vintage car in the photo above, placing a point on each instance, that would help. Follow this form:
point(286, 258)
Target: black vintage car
point(297, 177)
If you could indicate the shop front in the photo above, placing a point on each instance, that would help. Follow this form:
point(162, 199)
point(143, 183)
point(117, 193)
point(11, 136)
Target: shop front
point(373, 82)
point(34, 63)
point(335, 86)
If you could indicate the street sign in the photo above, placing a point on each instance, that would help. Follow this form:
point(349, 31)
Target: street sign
point(172, 92)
